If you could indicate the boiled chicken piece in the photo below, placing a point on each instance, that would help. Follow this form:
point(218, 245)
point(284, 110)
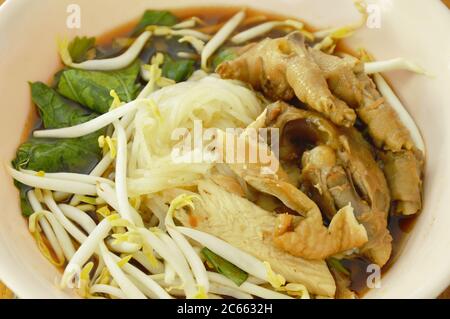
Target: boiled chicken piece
point(283, 67)
point(403, 171)
point(308, 237)
point(383, 123)
point(347, 80)
point(340, 76)
point(317, 164)
point(352, 176)
point(250, 228)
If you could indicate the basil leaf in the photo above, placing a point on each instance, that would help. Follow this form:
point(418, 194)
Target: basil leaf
point(224, 267)
point(80, 47)
point(92, 88)
point(151, 17)
point(224, 55)
point(56, 111)
point(177, 70)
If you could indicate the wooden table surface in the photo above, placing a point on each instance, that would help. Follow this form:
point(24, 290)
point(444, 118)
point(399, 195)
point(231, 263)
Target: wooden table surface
point(5, 293)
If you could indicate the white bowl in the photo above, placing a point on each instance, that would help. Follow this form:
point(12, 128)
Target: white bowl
point(28, 32)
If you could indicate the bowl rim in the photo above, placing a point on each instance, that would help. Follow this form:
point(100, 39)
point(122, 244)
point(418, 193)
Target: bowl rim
point(11, 7)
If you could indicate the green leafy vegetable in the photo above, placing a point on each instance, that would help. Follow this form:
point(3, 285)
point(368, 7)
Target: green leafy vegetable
point(81, 49)
point(92, 88)
point(336, 264)
point(25, 205)
point(77, 155)
point(55, 111)
point(151, 17)
point(224, 267)
point(224, 55)
point(177, 70)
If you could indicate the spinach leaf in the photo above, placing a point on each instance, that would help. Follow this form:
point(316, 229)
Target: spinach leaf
point(80, 48)
point(56, 111)
point(55, 155)
point(151, 17)
point(77, 155)
point(25, 205)
point(92, 88)
point(224, 55)
point(224, 267)
point(177, 70)
point(57, 77)
point(169, 46)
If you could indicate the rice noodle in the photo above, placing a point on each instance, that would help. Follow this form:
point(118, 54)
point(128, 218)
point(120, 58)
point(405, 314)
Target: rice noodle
point(216, 102)
point(220, 37)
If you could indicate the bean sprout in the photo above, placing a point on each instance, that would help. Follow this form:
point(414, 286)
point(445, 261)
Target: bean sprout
point(46, 227)
point(51, 183)
point(128, 288)
point(393, 64)
point(111, 64)
point(220, 37)
point(263, 28)
point(92, 125)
